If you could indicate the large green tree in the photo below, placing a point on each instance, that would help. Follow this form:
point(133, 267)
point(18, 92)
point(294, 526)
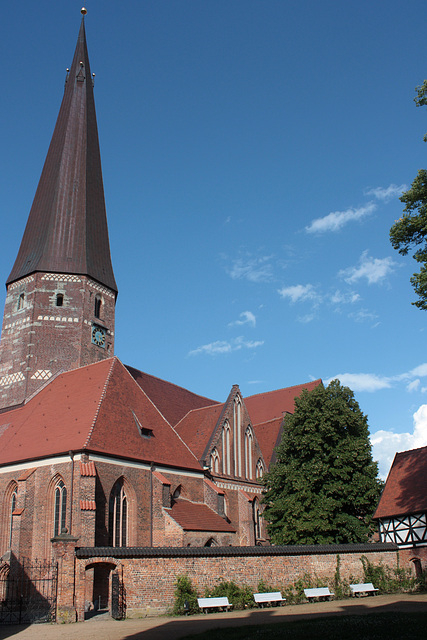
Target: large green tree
point(410, 231)
point(324, 486)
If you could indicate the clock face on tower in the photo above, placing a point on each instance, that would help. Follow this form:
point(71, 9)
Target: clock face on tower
point(98, 336)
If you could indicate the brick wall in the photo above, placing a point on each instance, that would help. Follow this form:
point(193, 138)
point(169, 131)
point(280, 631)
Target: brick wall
point(40, 338)
point(150, 579)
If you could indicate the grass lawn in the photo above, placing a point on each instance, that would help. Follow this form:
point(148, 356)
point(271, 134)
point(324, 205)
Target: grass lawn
point(375, 626)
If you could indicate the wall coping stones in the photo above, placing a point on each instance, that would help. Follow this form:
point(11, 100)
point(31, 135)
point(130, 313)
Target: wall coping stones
point(200, 552)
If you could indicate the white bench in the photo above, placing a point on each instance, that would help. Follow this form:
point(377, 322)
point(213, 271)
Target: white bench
point(210, 603)
point(320, 592)
point(273, 596)
point(362, 587)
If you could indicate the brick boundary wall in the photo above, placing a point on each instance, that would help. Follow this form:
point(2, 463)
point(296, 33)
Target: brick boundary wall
point(149, 574)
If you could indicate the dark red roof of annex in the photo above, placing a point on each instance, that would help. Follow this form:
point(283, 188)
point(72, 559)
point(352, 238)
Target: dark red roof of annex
point(192, 516)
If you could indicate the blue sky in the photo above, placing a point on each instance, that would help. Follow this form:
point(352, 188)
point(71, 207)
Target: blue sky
point(253, 155)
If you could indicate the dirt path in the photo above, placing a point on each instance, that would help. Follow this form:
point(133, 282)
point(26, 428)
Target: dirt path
point(166, 628)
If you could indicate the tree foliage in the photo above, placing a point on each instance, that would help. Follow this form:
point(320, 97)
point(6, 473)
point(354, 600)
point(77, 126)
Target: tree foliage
point(323, 487)
point(410, 231)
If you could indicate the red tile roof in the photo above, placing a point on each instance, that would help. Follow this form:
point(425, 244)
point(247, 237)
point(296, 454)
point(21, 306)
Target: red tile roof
point(213, 486)
point(405, 488)
point(267, 411)
point(172, 401)
point(269, 435)
point(75, 412)
point(161, 478)
point(88, 469)
point(193, 516)
point(88, 505)
point(197, 427)
point(26, 473)
point(273, 404)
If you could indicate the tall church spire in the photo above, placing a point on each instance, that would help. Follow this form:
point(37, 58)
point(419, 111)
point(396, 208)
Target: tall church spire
point(67, 229)
point(61, 292)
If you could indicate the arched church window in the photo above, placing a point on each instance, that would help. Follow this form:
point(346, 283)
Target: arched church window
point(21, 301)
point(259, 471)
point(226, 453)
point(215, 461)
point(118, 515)
point(237, 418)
point(248, 452)
point(256, 519)
point(12, 507)
point(60, 514)
point(59, 299)
point(98, 305)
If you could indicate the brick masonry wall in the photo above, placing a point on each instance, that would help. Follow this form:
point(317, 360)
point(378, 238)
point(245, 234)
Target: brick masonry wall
point(150, 581)
point(39, 338)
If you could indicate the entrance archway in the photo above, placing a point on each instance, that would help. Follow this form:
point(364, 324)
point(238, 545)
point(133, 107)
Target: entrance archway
point(98, 587)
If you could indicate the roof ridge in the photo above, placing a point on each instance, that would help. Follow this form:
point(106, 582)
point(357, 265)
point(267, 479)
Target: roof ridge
point(101, 399)
point(294, 386)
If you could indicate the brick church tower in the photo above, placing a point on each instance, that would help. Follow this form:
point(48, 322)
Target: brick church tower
point(61, 292)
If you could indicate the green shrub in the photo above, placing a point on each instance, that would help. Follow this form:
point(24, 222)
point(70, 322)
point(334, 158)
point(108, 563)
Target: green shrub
point(239, 597)
point(388, 580)
point(185, 597)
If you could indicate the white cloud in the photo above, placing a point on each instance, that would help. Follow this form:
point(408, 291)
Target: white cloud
point(252, 269)
point(362, 315)
point(299, 293)
point(372, 382)
point(388, 193)
point(421, 371)
point(340, 297)
point(362, 381)
point(338, 219)
point(247, 317)
point(414, 385)
point(385, 444)
point(373, 269)
point(220, 347)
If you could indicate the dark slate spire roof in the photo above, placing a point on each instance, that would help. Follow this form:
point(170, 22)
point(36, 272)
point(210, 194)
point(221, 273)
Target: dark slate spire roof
point(67, 229)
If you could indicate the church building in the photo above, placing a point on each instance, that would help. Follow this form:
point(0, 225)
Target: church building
point(90, 448)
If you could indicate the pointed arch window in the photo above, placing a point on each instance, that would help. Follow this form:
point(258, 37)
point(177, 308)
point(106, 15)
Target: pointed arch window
point(248, 452)
point(118, 515)
point(237, 417)
point(60, 508)
point(226, 453)
point(259, 470)
point(215, 461)
point(256, 519)
point(12, 507)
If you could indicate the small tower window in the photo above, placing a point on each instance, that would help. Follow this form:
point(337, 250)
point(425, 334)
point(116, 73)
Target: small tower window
point(21, 301)
point(59, 299)
point(98, 304)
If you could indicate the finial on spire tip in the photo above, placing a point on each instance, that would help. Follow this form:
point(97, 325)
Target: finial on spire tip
point(83, 11)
